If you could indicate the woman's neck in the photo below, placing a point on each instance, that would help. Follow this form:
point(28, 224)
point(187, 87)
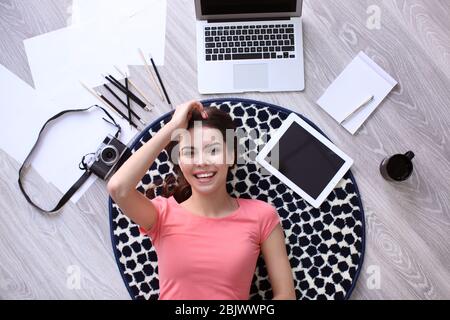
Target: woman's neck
point(214, 205)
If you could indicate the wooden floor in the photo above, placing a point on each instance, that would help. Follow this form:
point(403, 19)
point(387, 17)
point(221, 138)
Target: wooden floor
point(408, 224)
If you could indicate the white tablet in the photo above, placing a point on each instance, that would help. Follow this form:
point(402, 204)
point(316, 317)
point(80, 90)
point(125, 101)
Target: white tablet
point(307, 162)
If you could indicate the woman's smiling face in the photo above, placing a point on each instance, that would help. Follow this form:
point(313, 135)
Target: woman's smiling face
point(203, 159)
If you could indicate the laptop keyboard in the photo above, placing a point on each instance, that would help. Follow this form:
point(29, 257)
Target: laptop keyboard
point(249, 42)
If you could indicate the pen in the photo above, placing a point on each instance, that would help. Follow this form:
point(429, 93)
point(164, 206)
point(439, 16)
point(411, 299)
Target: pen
point(362, 104)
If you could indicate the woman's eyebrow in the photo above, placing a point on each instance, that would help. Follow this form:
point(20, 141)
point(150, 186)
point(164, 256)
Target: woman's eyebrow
point(208, 145)
point(212, 144)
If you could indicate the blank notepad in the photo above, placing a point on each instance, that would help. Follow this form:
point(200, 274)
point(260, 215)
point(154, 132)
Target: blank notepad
point(360, 79)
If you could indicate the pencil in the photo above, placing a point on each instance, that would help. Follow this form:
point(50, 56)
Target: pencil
point(136, 88)
point(128, 100)
point(123, 103)
point(120, 100)
point(160, 81)
point(147, 67)
point(104, 100)
point(115, 108)
point(126, 91)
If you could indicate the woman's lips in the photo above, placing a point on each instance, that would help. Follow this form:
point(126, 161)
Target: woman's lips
point(205, 179)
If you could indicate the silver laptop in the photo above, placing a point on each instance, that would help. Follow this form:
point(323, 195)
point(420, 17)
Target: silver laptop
point(249, 45)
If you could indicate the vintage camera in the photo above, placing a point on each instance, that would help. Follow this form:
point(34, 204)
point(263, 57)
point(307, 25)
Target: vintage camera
point(106, 159)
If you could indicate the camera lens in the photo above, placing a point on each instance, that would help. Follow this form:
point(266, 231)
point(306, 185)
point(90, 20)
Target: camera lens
point(109, 155)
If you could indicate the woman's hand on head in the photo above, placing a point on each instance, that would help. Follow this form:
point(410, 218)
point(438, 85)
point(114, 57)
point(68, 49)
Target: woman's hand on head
point(183, 113)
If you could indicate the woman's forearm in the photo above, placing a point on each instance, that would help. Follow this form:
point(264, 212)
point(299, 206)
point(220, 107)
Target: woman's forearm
point(131, 172)
point(284, 297)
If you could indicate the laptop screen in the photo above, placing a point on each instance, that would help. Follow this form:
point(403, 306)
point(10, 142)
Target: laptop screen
point(221, 7)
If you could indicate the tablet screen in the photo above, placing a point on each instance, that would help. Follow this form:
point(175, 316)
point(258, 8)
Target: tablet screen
point(305, 160)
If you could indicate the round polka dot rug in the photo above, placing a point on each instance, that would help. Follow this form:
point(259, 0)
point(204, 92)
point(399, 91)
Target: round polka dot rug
point(325, 246)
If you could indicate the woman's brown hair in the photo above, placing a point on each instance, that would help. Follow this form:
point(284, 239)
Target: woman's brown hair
point(177, 186)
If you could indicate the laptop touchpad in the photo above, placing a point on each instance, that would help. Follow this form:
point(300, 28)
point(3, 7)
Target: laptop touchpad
point(251, 76)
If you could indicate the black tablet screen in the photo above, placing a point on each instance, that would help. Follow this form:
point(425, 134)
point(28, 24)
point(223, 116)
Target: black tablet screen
point(305, 160)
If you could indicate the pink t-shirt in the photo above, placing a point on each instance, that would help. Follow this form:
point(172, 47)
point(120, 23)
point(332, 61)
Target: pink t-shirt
point(205, 258)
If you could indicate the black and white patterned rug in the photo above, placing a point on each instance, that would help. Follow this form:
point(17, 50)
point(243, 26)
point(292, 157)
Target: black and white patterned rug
point(325, 246)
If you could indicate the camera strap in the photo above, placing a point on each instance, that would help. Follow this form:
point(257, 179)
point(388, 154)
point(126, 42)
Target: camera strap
point(82, 165)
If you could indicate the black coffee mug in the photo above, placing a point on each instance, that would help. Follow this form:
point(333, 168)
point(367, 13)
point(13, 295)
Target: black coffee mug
point(399, 167)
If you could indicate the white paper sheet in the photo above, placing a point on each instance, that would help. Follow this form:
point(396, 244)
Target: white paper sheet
point(103, 10)
point(71, 137)
point(360, 79)
point(23, 112)
point(63, 144)
point(60, 59)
